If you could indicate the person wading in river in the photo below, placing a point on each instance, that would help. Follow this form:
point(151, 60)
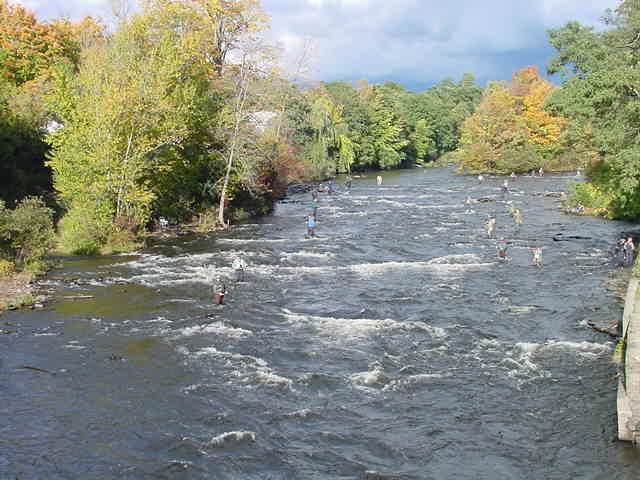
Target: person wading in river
point(490, 226)
point(517, 216)
point(628, 251)
point(502, 250)
point(311, 226)
point(537, 256)
point(219, 293)
point(239, 266)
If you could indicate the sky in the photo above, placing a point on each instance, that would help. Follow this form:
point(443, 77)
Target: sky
point(415, 43)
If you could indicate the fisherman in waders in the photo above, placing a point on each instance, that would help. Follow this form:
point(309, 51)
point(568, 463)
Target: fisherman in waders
point(239, 266)
point(628, 251)
point(537, 256)
point(502, 250)
point(311, 226)
point(218, 294)
point(517, 215)
point(505, 189)
point(491, 226)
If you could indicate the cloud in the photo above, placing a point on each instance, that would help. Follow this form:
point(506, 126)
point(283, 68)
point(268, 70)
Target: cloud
point(72, 9)
point(419, 42)
point(413, 42)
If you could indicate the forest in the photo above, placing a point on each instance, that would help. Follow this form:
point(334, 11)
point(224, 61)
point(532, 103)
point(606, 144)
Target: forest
point(182, 111)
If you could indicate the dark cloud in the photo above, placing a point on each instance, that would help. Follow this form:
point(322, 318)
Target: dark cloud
point(419, 42)
point(413, 42)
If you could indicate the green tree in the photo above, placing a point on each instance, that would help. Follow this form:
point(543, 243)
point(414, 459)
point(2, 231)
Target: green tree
point(135, 96)
point(600, 97)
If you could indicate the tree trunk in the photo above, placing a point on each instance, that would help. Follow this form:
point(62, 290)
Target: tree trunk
point(238, 114)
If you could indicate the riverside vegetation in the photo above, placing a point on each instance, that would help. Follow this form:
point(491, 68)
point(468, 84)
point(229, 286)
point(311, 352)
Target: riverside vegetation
point(180, 111)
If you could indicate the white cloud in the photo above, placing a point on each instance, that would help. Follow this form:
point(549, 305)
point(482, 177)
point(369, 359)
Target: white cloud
point(420, 42)
point(72, 9)
point(414, 42)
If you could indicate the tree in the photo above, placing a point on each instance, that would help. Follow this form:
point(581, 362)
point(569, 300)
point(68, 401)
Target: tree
point(600, 97)
point(510, 129)
point(494, 127)
point(29, 48)
point(135, 97)
point(386, 130)
point(422, 141)
point(243, 74)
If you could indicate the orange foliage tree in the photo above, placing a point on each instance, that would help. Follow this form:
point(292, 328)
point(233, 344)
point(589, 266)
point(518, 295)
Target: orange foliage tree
point(510, 129)
point(29, 48)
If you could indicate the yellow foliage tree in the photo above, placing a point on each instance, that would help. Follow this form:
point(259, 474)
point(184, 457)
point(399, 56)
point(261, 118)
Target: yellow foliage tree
point(510, 129)
point(544, 128)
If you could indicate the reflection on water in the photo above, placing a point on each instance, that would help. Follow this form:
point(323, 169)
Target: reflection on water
point(396, 345)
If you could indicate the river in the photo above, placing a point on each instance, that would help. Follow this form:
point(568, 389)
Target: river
point(395, 345)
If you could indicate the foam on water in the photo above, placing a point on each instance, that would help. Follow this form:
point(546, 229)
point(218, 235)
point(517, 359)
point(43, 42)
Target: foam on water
point(412, 382)
point(353, 328)
point(440, 265)
point(244, 369)
point(309, 254)
point(215, 328)
point(373, 377)
point(581, 348)
point(462, 259)
point(228, 439)
point(241, 241)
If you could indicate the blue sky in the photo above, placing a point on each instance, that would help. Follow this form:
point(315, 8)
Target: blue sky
point(413, 42)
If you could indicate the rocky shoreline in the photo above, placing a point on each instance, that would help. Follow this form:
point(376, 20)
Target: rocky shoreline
point(19, 291)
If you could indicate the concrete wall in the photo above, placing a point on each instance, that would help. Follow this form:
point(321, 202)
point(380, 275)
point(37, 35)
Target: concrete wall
point(629, 378)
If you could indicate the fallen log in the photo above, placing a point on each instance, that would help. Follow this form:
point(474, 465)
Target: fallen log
point(603, 330)
point(35, 369)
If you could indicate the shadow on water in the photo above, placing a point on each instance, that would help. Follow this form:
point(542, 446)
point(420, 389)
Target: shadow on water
point(394, 346)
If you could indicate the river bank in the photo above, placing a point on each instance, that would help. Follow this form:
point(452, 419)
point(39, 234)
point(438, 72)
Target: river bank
point(19, 291)
point(628, 357)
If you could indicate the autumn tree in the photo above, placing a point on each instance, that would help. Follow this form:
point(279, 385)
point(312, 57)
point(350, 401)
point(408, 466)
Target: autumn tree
point(510, 129)
point(29, 53)
point(27, 47)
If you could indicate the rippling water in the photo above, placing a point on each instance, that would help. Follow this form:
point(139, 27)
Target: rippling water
point(393, 346)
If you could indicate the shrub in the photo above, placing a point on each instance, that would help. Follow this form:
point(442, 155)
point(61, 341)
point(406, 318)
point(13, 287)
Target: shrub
point(84, 230)
point(26, 232)
point(589, 196)
point(518, 160)
point(120, 241)
point(6, 268)
point(37, 267)
point(207, 220)
point(618, 357)
point(564, 162)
